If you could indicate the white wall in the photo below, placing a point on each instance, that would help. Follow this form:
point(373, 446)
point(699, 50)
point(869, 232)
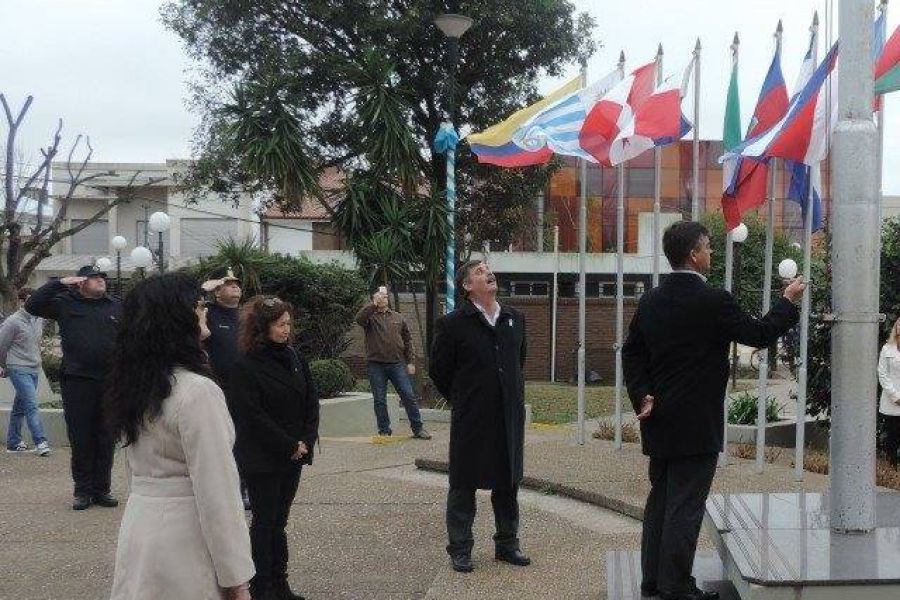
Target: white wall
point(289, 236)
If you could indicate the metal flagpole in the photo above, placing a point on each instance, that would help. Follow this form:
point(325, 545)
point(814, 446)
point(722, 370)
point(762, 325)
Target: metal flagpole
point(582, 292)
point(620, 300)
point(803, 368)
point(882, 7)
point(855, 265)
point(729, 278)
point(695, 197)
point(762, 389)
point(555, 296)
point(657, 184)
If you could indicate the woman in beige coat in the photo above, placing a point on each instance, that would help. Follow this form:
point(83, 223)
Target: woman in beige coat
point(889, 406)
point(183, 534)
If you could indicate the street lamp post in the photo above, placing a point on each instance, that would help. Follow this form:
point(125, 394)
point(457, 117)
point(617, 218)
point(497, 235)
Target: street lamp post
point(141, 258)
point(159, 223)
point(453, 26)
point(119, 243)
point(738, 236)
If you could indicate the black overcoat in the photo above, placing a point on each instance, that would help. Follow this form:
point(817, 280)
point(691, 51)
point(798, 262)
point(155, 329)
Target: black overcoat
point(677, 352)
point(479, 369)
point(274, 408)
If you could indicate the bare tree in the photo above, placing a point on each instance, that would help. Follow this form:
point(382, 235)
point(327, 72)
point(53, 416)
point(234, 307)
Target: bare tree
point(22, 251)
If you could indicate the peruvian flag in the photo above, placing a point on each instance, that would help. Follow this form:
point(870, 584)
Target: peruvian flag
point(615, 111)
point(747, 182)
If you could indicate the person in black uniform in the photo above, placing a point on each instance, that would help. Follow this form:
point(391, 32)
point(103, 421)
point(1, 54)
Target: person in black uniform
point(676, 370)
point(477, 364)
point(221, 344)
point(88, 319)
point(276, 410)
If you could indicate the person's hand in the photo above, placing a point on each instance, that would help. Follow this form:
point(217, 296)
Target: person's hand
point(73, 280)
point(794, 290)
point(210, 285)
point(646, 407)
point(301, 451)
point(411, 369)
point(2, 373)
point(201, 318)
point(238, 592)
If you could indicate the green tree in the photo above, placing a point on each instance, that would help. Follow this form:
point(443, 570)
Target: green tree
point(360, 84)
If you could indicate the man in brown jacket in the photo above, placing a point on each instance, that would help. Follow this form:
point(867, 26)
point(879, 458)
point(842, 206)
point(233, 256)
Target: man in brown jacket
point(390, 357)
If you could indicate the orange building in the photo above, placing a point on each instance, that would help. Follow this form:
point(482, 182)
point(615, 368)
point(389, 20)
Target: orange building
point(563, 195)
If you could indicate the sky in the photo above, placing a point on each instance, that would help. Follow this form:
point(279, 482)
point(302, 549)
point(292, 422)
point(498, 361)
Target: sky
point(112, 71)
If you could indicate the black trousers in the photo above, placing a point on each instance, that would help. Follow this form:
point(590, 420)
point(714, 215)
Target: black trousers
point(891, 438)
point(461, 515)
point(92, 445)
point(271, 495)
point(672, 518)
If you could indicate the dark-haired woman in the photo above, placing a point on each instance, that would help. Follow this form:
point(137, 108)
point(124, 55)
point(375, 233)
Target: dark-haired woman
point(276, 411)
point(183, 534)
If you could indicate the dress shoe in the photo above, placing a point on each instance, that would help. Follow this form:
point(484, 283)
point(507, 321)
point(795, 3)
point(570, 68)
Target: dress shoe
point(695, 594)
point(81, 503)
point(649, 591)
point(105, 500)
point(462, 563)
point(422, 434)
point(513, 557)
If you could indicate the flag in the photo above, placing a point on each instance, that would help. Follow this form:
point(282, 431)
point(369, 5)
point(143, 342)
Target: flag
point(605, 120)
point(656, 120)
point(731, 134)
point(801, 135)
point(746, 181)
point(557, 126)
point(495, 144)
point(887, 69)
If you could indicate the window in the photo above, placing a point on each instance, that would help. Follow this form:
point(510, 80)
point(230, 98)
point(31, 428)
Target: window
point(629, 290)
point(92, 240)
point(152, 240)
point(639, 183)
point(201, 236)
point(529, 288)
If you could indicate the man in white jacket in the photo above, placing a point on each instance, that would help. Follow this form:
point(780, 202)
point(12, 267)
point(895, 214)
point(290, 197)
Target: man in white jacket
point(20, 360)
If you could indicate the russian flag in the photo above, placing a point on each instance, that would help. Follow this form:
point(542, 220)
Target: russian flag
point(749, 178)
point(615, 111)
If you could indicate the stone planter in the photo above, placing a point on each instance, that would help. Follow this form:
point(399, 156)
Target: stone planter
point(779, 434)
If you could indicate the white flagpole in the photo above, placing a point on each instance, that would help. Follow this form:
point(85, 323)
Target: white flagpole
point(729, 284)
point(695, 198)
point(582, 292)
point(762, 389)
point(883, 9)
point(803, 370)
point(620, 301)
point(555, 296)
point(657, 184)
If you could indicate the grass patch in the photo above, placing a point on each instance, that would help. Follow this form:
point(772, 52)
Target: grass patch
point(557, 403)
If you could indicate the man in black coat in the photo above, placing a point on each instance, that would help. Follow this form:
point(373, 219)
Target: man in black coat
point(477, 364)
point(676, 370)
point(88, 319)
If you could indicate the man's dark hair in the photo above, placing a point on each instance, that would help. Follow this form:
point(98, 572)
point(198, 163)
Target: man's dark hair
point(463, 274)
point(680, 238)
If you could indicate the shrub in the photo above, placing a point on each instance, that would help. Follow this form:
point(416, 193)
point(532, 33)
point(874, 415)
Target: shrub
point(331, 377)
point(742, 409)
point(52, 366)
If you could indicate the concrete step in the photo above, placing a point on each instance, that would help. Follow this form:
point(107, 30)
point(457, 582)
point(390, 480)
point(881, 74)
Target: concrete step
point(623, 576)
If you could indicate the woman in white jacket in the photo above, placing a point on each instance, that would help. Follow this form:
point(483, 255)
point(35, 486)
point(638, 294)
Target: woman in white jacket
point(184, 534)
point(889, 407)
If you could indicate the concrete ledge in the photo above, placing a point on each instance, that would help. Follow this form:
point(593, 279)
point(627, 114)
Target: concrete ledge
point(781, 434)
point(52, 419)
point(546, 486)
point(437, 415)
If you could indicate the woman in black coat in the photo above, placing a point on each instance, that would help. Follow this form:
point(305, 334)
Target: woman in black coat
point(276, 412)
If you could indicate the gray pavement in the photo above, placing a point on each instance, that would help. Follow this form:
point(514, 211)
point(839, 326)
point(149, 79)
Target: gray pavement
point(366, 524)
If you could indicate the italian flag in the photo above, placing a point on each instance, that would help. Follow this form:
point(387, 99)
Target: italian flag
point(731, 135)
point(887, 70)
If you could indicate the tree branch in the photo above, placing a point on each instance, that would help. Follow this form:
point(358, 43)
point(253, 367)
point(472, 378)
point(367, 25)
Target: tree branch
point(13, 125)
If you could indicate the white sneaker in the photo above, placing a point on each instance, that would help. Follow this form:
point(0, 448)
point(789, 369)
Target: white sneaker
point(20, 448)
point(42, 449)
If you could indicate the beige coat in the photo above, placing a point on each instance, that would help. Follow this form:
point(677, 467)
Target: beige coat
point(889, 377)
point(184, 534)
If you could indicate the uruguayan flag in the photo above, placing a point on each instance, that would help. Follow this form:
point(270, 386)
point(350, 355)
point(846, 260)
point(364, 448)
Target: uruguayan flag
point(557, 126)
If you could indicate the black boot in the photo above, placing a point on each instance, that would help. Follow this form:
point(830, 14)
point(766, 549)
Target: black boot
point(283, 591)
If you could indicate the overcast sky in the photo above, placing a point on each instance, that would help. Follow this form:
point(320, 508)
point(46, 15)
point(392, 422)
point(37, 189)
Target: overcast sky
point(110, 69)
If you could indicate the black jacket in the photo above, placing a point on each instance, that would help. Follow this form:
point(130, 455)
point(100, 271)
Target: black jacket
point(221, 345)
point(478, 368)
point(677, 352)
point(275, 406)
point(87, 327)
